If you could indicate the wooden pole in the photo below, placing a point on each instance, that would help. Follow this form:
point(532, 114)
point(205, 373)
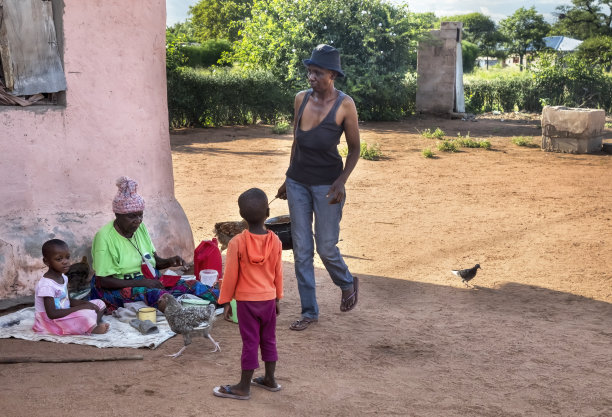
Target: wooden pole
point(28, 359)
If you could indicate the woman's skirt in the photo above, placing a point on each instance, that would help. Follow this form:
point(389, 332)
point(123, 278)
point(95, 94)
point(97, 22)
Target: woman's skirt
point(150, 296)
point(78, 322)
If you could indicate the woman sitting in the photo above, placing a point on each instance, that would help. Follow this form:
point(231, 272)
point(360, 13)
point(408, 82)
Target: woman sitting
point(125, 263)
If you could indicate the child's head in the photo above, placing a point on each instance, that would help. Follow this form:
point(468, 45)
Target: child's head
point(56, 255)
point(253, 204)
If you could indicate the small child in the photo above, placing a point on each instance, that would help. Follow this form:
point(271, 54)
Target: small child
point(254, 277)
point(56, 313)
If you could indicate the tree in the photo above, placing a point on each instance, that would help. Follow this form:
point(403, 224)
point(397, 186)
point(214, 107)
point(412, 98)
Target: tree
point(377, 41)
point(181, 30)
point(524, 31)
point(480, 30)
point(597, 50)
point(219, 19)
point(584, 19)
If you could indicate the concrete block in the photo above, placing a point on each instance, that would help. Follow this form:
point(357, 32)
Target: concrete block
point(572, 130)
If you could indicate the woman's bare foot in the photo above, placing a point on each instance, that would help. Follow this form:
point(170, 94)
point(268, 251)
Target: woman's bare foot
point(100, 328)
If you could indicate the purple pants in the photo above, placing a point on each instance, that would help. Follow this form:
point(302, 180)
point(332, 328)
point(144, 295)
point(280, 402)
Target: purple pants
point(257, 324)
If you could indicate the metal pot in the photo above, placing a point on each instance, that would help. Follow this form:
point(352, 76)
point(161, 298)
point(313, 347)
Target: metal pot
point(281, 225)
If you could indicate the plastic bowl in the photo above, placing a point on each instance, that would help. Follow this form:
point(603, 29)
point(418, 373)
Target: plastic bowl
point(192, 302)
point(281, 225)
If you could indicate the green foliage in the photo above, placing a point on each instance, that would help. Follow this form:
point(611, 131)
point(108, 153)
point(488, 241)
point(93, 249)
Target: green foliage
point(524, 29)
point(436, 134)
point(219, 19)
point(225, 97)
point(523, 141)
point(206, 54)
point(377, 41)
point(370, 152)
point(448, 146)
point(428, 153)
point(174, 57)
point(555, 80)
point(597, 50)
point(182, 30)
point(485, 144)
point(469, 52)
point(281, 128)
point(584, 19)
point(608, 125)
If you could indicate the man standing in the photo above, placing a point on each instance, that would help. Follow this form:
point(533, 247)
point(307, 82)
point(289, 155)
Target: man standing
point(314, 183)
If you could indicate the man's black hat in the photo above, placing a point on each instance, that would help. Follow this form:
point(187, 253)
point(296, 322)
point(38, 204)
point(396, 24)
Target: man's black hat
point(327, 57)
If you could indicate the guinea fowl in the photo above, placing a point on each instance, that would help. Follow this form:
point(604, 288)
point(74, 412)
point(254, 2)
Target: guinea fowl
point(466, 274)
point(225, 231)
point(189, 320)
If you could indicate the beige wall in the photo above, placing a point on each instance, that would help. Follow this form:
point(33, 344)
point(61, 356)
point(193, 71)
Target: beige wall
point(437, 65)
point(58, 164)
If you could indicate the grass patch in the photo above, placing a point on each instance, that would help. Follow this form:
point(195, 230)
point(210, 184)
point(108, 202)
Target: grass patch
point(427, 153)
point(369, 152)
point(448, 146)
point(524, 141)
point(281, 128)
point(436, 134)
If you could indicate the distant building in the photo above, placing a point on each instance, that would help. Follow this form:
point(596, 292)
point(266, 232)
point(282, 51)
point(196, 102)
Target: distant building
point(561, 43)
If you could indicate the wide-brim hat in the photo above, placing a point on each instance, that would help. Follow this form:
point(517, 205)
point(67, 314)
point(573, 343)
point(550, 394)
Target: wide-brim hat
point(327, 57)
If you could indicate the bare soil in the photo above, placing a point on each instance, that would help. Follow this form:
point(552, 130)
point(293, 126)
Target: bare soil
point(533, 337)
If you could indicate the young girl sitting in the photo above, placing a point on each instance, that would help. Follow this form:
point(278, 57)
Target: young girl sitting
point(56, 313)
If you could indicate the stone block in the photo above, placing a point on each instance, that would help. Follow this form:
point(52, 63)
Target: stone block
point(572, 130)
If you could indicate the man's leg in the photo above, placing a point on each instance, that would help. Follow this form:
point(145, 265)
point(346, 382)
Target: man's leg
point(300, 209)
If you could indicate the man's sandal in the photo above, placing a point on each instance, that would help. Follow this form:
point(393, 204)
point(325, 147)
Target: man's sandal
point(302, 324)
point(354, 296)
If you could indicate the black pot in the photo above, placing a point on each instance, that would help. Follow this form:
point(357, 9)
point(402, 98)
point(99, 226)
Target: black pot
point(281, 225)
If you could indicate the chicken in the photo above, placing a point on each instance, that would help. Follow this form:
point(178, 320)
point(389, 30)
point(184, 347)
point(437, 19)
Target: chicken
point(78, 275)
point(466, 274)
point(189, 320)
point(225, 231)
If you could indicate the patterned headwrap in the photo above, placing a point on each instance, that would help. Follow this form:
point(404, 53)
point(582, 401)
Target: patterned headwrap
point(127, 199)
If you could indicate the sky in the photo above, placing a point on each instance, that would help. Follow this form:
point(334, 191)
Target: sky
point(495, 9)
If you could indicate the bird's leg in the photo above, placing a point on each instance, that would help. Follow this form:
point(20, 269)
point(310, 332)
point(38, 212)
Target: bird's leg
point(179, 353)
point(466, 284)
point(217, 347)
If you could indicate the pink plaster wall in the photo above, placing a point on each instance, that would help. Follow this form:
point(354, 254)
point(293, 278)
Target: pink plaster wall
point(59, 164)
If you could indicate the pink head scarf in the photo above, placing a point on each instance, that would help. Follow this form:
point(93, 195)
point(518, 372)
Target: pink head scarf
point(127, 199)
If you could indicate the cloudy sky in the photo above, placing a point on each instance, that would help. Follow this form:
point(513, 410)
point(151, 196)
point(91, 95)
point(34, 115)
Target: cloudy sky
point(496, 9)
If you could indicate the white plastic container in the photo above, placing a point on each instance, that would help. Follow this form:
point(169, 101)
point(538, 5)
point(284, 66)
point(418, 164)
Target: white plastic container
point(208, 276)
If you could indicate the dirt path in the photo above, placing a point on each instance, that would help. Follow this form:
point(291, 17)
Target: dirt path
point(533, 338)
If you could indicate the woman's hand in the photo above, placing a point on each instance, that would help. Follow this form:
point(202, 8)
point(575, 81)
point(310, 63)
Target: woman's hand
point(336, 192)
point(150, 283)
point(282, 191)
point(171, 262)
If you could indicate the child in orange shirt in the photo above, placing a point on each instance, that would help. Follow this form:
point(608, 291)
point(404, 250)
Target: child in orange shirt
point(254, 277)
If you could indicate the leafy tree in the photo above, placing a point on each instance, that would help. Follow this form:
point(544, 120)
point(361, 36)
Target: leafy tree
point(584, 19)
point(524, 31)
point(219, 19)
point(469, 53)
point(183, 30)
point(377, 41)
point(597, 50)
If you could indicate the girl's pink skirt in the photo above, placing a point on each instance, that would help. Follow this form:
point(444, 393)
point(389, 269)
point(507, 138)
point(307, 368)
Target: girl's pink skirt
point(79, 322)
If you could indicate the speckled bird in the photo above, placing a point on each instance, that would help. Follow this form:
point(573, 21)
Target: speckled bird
point(189, 320)
point(225, 231)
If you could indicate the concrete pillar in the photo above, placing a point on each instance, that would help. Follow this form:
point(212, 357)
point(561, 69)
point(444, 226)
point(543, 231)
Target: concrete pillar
point(440, 71)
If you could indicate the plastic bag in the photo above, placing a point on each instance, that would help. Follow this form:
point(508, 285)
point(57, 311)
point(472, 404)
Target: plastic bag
point(207, 256)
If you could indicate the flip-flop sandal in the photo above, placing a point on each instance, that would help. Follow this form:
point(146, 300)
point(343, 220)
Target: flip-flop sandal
point(355, 295)
point(259, 382)
point(302, 324)
point(227, 393)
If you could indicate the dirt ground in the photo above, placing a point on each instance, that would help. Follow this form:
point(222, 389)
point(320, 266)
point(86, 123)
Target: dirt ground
point(532, 338)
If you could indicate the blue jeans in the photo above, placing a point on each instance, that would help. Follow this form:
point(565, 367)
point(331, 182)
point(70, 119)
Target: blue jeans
point(304, 202)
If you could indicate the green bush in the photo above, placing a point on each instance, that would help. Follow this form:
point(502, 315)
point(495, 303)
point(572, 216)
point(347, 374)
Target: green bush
point(225, 97)
point(427, 153)
point(281, 128)
point(206, 54)
point(523, 141)
point(370, 152)
point(436, 134)
point(448, 146)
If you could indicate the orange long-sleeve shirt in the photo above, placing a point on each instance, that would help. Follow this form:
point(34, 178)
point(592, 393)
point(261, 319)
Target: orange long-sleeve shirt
point(253, 268)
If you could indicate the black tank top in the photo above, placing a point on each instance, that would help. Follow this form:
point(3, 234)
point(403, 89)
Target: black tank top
point(316, 160)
